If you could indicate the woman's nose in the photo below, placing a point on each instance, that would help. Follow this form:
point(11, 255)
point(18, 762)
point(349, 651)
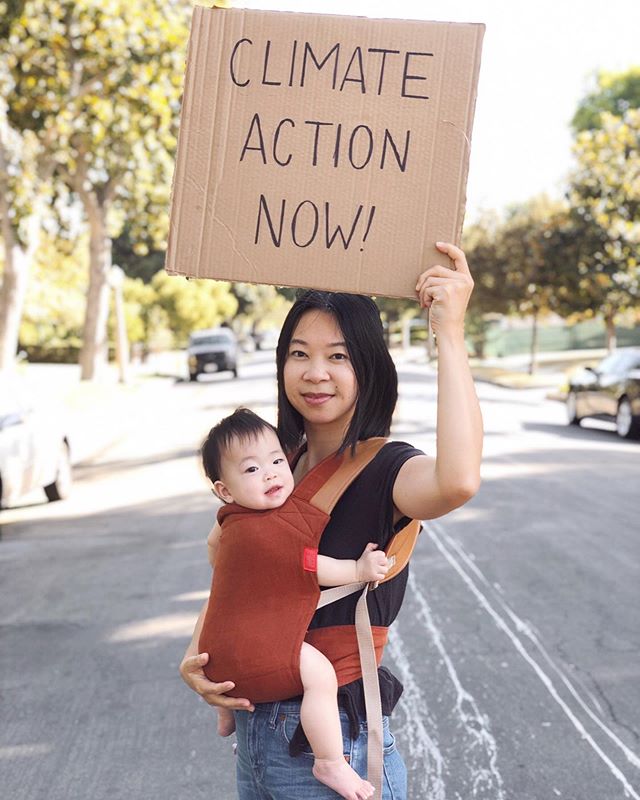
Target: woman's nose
point(316, 372)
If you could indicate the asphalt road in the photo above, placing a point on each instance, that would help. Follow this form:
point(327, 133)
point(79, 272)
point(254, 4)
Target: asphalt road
point(518, 643)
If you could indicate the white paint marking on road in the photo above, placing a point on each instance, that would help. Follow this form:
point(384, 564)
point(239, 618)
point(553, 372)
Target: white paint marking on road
point(437, 532)
point(474, 722)
point(498, 590)
point(526, 628)
point(22, 750)
point(422, 748)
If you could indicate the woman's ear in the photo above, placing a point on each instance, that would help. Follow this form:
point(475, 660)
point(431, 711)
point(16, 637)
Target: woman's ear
point(221, 491)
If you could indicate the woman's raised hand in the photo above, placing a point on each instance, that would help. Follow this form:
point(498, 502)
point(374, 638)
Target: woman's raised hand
point(445, 291)
point(192, 672)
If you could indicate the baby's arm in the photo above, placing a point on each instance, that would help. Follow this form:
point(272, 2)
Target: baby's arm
point(371, 566)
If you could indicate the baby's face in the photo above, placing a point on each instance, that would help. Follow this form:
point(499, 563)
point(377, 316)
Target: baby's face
point(255, 473)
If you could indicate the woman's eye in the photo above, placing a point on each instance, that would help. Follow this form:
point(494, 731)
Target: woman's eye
point(339, 356)
point(297, 353)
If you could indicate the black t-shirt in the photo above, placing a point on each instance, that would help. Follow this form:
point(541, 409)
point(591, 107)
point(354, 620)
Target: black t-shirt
point(364, 514)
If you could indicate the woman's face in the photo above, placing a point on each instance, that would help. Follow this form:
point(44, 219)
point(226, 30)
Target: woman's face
point(319, 380)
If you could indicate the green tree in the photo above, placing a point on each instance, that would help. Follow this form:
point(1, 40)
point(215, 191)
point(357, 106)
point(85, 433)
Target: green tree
point(490, 296)
point(615, 93)
point(144, 317)
point(99, 85)
point(260, 306)
point(193, 304)
point(605, 195)
point(54, 302)
point(24, 191)
point(537, 249)
point(138, 259)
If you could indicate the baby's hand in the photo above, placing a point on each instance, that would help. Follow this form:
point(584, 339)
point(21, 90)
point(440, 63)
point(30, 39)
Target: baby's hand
point(372, 564)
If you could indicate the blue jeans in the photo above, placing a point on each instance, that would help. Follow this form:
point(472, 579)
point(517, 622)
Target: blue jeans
point(266, 771)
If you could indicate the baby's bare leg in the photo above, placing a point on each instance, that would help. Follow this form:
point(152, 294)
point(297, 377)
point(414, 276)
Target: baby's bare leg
point(226, 722)
point(321, 722)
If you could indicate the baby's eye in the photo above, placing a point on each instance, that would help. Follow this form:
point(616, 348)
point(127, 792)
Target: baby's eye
point(251, 469)
point(278, 460)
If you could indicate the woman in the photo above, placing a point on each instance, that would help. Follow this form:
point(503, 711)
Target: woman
point(337, 385)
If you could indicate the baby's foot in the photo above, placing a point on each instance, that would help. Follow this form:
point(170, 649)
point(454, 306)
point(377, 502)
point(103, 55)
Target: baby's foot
point(340, 777)
point(226, 722)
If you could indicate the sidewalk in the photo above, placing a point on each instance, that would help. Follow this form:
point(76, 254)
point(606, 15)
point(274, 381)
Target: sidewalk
point(96, 414)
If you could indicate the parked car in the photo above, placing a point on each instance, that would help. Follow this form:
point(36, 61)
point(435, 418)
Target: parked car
point(34, 449)
point(266, 340)
point(212, 350)
point(610, 391)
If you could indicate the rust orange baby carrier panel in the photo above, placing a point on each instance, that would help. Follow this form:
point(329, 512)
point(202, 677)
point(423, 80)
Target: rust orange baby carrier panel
point(265, 588)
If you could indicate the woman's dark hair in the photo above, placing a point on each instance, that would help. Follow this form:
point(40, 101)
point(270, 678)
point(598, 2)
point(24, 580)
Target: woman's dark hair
point(358, 318)
point(242, 425)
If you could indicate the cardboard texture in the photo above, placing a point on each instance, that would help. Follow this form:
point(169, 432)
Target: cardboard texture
point(321, 151)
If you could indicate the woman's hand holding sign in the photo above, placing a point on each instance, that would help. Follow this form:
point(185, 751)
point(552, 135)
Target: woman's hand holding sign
point(425, 487)
point(446, 292)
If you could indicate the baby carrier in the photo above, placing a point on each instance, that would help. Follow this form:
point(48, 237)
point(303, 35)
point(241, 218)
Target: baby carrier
point(265, 592)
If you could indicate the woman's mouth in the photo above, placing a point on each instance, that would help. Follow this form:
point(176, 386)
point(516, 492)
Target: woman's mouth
point(316, 398)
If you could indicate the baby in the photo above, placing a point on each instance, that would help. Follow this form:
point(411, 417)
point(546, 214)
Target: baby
point(245, 462)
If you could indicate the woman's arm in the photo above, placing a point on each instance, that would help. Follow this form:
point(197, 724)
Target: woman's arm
point(430, 487)
point(193, 662)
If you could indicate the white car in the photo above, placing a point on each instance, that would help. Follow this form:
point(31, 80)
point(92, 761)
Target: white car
point(34, 449)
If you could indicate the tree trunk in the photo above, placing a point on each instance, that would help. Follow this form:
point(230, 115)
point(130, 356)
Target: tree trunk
point(612, 340)
point(479, 346)
point(534, 344)
point(94, 352)
point(17, 262)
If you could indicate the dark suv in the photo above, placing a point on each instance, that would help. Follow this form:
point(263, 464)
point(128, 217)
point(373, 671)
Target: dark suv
point(212, 350)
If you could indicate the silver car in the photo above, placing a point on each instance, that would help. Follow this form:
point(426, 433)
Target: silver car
point(34, 450)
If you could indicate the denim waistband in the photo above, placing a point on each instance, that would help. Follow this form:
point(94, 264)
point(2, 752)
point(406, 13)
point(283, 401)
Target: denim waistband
point(273, 710)
point(278, 709)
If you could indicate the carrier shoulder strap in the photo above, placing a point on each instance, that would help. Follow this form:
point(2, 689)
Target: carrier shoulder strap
point(332, 489)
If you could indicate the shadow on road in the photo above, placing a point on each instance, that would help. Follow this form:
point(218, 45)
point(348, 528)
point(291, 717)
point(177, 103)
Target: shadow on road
point(579, 433)
point(93, 469)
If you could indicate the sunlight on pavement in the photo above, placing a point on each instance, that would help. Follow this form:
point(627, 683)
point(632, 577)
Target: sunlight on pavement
point(190, 596)
point(108, 491)
point(492, 472)
point(171, 626)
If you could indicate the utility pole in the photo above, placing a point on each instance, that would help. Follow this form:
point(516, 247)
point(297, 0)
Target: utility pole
point(116, 281)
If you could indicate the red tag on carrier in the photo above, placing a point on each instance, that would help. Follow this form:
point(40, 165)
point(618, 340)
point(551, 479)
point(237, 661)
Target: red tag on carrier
point(310, 560)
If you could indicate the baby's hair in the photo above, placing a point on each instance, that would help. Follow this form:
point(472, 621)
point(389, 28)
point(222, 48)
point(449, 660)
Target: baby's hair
point(243, 425)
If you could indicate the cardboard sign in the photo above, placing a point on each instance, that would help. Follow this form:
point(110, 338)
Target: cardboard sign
point(321, 151)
